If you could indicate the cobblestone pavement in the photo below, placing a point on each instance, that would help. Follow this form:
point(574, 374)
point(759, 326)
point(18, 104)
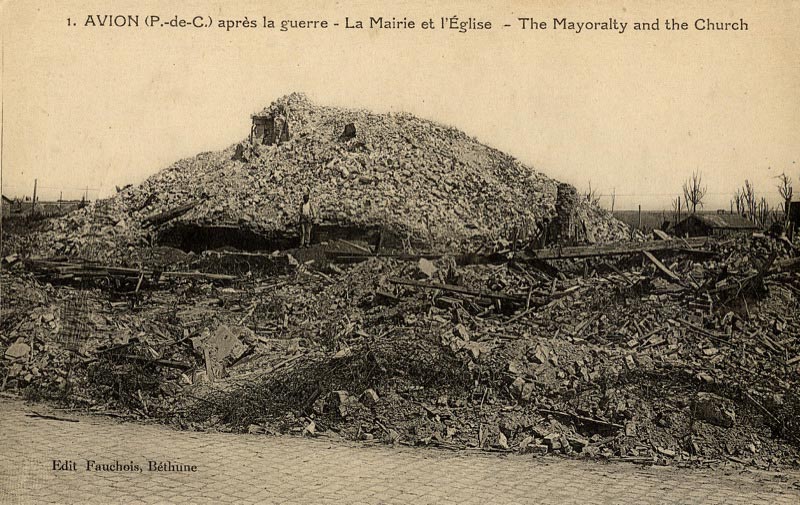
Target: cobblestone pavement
point(279, 469)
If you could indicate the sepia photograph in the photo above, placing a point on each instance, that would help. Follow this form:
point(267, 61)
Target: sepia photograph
point(372, 252)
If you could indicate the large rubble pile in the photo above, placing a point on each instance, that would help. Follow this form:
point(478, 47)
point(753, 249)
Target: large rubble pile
point(486, 323)
point(666, 352)
point(418, 182)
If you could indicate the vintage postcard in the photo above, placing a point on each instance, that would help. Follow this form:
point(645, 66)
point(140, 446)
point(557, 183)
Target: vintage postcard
point(400, 252)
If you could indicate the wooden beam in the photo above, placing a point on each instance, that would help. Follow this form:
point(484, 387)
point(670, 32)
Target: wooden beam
point(457, 289)
point(669, 273)
point(611, 249)
point(163, 217)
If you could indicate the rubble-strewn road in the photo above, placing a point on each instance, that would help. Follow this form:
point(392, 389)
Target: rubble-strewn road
point(265, 469)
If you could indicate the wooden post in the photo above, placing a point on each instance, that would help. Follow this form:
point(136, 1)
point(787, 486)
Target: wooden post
point(33, 203)
point(640, 217)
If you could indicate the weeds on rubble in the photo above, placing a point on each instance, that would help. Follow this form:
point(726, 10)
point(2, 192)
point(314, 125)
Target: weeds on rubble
point(418, 363)
point(131, 384)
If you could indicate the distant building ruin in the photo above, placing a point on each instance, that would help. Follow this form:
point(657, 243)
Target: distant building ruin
point(705, 225)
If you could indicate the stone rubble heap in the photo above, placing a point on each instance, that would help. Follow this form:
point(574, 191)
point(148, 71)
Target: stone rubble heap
point(422, 182)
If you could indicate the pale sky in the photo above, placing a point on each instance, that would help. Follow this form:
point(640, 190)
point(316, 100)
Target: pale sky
point(635, 113)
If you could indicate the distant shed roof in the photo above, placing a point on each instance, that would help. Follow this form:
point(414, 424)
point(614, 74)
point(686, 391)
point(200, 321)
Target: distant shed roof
point(732, 221)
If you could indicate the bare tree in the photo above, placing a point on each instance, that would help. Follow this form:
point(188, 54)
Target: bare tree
point(738, 201)
point(694, 191)
point(749, 200)
point(762, 211)
point(785, 189)
point(592, 196)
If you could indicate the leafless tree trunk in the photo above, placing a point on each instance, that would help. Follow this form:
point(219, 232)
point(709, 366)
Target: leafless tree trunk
point(738, 200)
point(592, 196)
point(763, 211)
point(785, 189)
point(694, 191)
point(749, 199)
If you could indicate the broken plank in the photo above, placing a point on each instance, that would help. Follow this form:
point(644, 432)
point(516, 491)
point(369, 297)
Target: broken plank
point(660, 234)
point(349, 255)
point(162, 362)
point(611, 249)
point(50, 417)
point(169, 215)
point(666, 271)
point(457, 289)
point(581, 418)
point(357, 246)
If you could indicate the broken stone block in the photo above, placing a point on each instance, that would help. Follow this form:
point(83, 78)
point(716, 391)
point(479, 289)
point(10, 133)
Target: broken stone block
point(525, 443)
point(502, 441)
point(222, 348)
point(476, 349)
point(527, 391)
point(462, 332)
point(344, 352)
point(553, 441)
point(18, 349)
point(566, 447)
point(369, 397)
point(517, 385)
point(538, 449)
point(577, 442)
point(339, 399)
point(590, 451)
point(666, 452)
point(714, 409)
point(343, 403)
point(426, 267)
point(538, 355)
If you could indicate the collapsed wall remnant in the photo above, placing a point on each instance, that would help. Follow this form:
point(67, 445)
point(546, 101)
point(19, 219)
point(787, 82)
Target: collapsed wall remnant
point(269, 129)
point(569, 227)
